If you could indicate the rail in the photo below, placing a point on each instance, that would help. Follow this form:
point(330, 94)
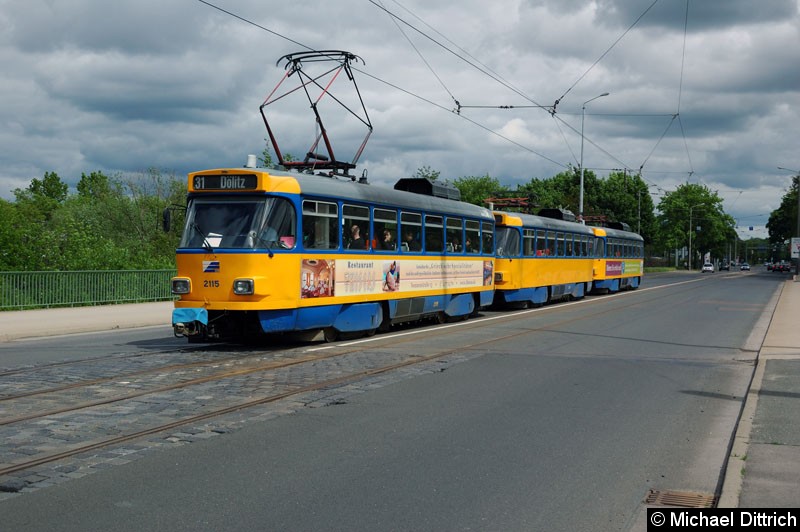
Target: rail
point(26, 290)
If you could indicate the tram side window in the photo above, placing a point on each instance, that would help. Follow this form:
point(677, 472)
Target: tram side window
point(453, 233)
point(411, 229)
point(472, 239)
point(355, 227)
point(434, 228)
point(568, 251)
point(487, 231)
point(541, 243)
point(529, 242)
point(385, 222)
point(320, 225)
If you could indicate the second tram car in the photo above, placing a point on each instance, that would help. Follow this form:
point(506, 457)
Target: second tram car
point(541, 259)
point(277, 252)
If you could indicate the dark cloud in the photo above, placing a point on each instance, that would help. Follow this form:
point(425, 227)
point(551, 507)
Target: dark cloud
point(695, 15)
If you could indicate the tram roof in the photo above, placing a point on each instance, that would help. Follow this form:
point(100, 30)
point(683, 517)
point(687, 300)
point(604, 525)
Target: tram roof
point(619, 233)
point(332, 188)
point(531, 220)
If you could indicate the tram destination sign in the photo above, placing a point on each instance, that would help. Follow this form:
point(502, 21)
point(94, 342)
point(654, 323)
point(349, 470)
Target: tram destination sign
point(225, 182)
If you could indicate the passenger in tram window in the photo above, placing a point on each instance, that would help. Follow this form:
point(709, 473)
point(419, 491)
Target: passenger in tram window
point(358, 241)
point(413, 245)
point(308, 234)
point(488, 243)
point(388, 240)
point(469, 246)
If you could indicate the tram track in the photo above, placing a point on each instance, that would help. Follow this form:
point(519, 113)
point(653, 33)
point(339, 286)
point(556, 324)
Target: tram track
point(138, 373)
point(331, 382)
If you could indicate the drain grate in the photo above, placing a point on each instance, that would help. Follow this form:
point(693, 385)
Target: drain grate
point(683, 499)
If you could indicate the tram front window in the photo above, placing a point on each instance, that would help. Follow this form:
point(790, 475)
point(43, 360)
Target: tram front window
point(507, 242)
point(239, 223)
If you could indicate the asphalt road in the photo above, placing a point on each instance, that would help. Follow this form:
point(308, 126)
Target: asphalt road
point(564, 422)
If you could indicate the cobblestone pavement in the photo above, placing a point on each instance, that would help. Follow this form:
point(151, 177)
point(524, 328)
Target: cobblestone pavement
point(25, 440)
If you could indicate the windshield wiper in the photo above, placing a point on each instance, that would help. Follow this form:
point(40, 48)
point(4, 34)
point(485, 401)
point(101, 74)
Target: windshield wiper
point(260, 239)
point(206, 244)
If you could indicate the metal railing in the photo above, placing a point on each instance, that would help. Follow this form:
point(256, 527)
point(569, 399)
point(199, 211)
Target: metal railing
point(24, 290)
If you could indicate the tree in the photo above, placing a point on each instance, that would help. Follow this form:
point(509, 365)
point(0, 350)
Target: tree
point(13, 248)
point(95, 185)
point(43, 196)
point(688, 208)
point(427, 173)
point(266, 156)
point(782, 223)
point(475, 189)
point(625, 198)
point(30, 234)
point(563, 191)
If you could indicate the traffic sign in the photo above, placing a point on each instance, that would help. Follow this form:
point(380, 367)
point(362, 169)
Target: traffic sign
point(795, 247)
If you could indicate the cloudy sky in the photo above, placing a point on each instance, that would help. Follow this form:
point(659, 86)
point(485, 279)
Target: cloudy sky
point(704, 91)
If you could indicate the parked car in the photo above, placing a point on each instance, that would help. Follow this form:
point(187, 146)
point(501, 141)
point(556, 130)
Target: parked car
point(744, 267)
point(708, 267)
point(724, 266)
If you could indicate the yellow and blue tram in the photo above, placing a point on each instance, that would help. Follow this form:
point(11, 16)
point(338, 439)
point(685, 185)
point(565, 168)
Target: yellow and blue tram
point(264, 251)
point(547, 258)
point(620, 259)
point(541, 259)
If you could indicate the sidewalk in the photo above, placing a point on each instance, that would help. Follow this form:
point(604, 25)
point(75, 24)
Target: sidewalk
point(764, 465)
point(57, 321)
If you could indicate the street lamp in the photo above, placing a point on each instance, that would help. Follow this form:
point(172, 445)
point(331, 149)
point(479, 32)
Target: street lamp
point(583, 119)
point(690, 232)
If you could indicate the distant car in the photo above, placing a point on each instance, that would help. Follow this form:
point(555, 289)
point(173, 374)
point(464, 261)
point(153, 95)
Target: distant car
point(724, 266)
point(708, 267)
point(744, 267)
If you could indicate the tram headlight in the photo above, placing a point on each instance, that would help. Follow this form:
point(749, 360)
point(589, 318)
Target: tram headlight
point(243, 287)
point(181, 285)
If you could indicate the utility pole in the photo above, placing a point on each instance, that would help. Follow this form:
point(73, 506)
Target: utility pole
point(690, 233)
